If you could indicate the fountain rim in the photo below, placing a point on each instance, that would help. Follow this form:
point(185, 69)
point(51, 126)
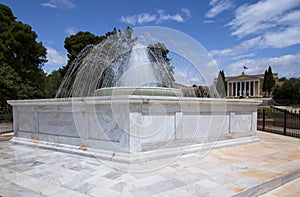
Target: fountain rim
point(139, 90)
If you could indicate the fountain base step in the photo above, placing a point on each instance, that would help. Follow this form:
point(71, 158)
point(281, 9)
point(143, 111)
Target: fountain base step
point(136, 158)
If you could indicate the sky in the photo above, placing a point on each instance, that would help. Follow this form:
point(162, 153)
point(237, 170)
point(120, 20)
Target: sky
point(236, 33)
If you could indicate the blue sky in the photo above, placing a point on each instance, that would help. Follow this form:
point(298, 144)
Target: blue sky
point(236, 33)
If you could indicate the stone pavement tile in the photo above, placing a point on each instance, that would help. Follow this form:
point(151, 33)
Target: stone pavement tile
point(67, 172)
point(149, 180)
point(103, 192)
point(102, 170)
point(113, 175)
point(119, 187)
point(247, 181)
point(79, 186)
point(27, 182)
point(289, 189)
point(101, 181)
point(56, 191)
point(192, 189)
point(16, 190)
point(228, 189)
point(152, 189)
point(207, 184)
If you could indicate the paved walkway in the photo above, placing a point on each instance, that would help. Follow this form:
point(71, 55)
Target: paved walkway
point(245, 170)
point(289, 189)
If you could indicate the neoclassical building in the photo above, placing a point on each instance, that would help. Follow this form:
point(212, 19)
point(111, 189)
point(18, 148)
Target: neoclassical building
point(246, 85)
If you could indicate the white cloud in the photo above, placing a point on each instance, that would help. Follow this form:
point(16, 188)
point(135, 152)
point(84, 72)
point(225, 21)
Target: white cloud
point(187, 12)
point(55, 58)
point(138, 18)
point(208, 21)
point(159, 17)
point(280, 39)
point(218, 6)
point(261, 16)
point(243, 56)
point(286, 65)
point(68, 4)
point(188, 77)
point(70, 31)
point(167, 17)
point(239, 50)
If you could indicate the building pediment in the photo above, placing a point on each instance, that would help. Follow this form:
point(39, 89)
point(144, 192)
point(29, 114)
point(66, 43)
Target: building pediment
point(242, 78)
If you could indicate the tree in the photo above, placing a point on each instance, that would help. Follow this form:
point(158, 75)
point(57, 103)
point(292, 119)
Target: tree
point(158, 53)
point(76, 43)
point(11, 85)
point(6, 17)
point(21, 56)
point(269, 82)
point(288, 93)
point(201, 91)
point(53, 81)
point(221, 84)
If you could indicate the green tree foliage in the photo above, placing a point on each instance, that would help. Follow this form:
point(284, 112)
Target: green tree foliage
point(6, 18)
point(269, 82)
point(221, 84)
point(22, 57)
point(11, 85)
point(282, 79)
point(74, 44)
point(159, 53)
point(201, 91)
point(288, 93)
point(53, 81)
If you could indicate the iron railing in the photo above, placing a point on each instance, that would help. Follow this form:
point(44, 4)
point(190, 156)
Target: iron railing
point(279, 121)
point(6, 120)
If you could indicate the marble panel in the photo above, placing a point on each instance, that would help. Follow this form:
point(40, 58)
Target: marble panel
point(254, 122)
point(60, 124)
point(152, 128)
point(106, 126)
point(240, 123)
point(204, 126)
point(28, 121)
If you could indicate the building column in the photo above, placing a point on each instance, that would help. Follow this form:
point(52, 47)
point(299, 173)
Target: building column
point(232, 89)
point(243, 88)
point(258, 87)
point(250, 88)
point(228, 85)
point(254, 89)
point(236, 89)
point(246, 89)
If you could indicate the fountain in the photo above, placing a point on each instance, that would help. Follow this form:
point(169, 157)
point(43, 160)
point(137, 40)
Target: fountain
point(140, 78)
point(123, 105)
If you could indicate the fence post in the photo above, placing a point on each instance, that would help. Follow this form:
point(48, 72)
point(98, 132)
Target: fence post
point(264, 120)
point(284, 125)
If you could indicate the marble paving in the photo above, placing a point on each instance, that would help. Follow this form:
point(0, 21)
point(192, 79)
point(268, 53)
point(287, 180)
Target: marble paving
point(245, 170)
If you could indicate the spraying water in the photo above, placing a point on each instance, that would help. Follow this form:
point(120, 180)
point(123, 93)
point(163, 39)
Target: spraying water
point(119, 61)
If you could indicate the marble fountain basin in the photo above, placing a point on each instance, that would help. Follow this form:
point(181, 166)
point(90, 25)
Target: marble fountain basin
point(147, 126)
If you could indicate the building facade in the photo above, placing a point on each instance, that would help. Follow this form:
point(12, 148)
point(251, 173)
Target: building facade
point(246, 85)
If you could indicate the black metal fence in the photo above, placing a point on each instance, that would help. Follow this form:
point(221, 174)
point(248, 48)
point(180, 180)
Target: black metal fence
point(279, 121)
point(6, 120)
